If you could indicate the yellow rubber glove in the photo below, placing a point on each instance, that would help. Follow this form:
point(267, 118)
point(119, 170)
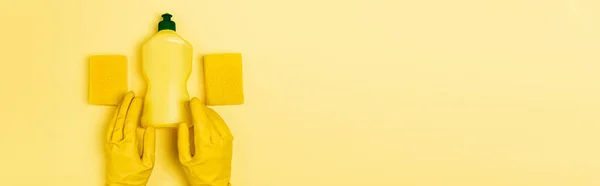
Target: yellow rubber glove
point(125, 164)
point(209, 163)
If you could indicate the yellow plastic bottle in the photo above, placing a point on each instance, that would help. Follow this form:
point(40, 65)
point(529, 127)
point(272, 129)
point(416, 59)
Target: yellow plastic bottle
point(167, 65)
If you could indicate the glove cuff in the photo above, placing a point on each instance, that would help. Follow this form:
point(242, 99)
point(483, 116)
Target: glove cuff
point(228, 184)
point(118, 184)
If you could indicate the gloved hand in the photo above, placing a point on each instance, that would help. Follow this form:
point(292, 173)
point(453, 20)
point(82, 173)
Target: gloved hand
point(125, 164)
point(209, 163)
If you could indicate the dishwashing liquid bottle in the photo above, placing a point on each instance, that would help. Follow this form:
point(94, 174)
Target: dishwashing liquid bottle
point(166, 65)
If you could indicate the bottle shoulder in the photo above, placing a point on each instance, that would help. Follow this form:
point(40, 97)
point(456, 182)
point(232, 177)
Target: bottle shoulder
point(167, 36)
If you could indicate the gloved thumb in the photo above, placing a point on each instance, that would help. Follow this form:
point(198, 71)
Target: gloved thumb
point(149, 146)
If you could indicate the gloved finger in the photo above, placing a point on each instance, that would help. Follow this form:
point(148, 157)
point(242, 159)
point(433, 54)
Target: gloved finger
point(132, 119)
point(183, 143)
point(111, 124)
point(220, 124)
point(120, 122)
point(119, 116)
point(203, 128)
point(149, 146)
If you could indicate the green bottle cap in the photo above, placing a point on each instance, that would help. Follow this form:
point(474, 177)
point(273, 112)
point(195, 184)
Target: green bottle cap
point(166, 23)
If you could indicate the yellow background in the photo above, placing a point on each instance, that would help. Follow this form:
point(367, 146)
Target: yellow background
point(338, 92)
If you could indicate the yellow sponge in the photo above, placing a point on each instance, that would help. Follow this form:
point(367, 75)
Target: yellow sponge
point(223, 79)
point(107, 79)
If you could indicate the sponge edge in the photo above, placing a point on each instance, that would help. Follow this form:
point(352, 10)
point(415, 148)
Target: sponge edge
point(223, 79)
point(107, 79)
